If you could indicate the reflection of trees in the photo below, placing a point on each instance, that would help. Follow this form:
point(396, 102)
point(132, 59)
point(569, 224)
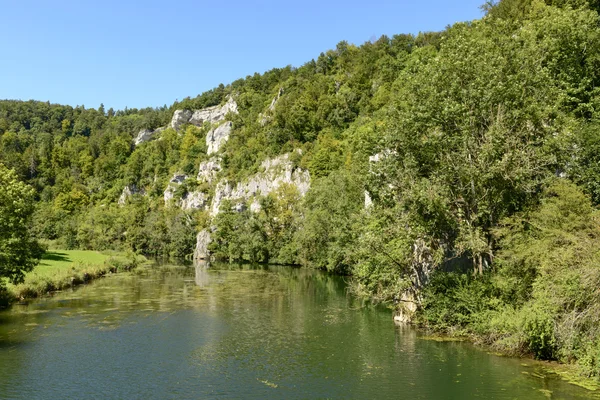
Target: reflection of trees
point(293, 327)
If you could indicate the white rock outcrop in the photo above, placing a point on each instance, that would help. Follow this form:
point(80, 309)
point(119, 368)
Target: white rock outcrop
point(208, 170)
point(263, 118)
point(145, 135)
point(194, 200)
point(217, 137)
point(180, 117)
point(129, 191)
point(175, 181)
point(277, 171)
point(212, 115)
point(202, 242)
point(368, 199)
point(191, 200)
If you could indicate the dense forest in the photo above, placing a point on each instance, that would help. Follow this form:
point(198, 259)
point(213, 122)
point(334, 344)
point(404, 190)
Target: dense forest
point(458, 171)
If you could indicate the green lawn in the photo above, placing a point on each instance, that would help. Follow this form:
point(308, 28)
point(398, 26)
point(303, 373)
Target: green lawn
point(61, 269)
point(59, 260)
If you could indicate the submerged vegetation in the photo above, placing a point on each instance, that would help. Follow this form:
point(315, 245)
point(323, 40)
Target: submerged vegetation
point(457, 170)
point(63, 269)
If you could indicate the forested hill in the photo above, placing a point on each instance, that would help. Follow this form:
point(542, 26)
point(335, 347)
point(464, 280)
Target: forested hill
point(454, 175)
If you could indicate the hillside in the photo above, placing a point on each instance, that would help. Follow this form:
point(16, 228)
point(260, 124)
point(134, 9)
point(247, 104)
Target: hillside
point(454, 175)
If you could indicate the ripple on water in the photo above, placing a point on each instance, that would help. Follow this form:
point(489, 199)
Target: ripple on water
point(238, 332)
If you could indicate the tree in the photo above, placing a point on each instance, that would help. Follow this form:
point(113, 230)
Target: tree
point(327, 235)
point(19, 252)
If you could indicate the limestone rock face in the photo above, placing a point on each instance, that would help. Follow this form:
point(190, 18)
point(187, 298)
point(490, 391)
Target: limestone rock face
point(146, 135)
point(191, 200)
point(208, 170)
point(407, 309)
point(217, 137)
point(214, 114)
point(202, 242)
point(194, 200)
point(143, 136)
point(368, 200)
point(180, 117)
point(277, 171)
point(175, 181)
point(266, 117)
point(129, 191)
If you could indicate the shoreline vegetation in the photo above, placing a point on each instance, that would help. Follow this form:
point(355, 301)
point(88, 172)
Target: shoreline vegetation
point(570, 373)
point(63, 269)
point(454, 175)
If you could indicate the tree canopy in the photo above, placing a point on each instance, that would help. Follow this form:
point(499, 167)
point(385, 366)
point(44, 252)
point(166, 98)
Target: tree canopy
point(19, 252)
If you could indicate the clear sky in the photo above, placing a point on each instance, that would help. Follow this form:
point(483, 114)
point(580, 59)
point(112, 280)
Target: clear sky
point(150, 53)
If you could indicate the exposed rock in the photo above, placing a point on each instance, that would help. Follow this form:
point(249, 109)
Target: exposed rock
point(213, 114)
point(191, 200)
point(208, 170)
point(277, 171)
point(368, 200)
point(255, 206)
point(194, 200)
point(175, 181)
point(217, 137)
point(129, 191)
point(383, 155)
point(407, 308)
point(423, 264)
point(146, 135)
point(202, 242)
point(279, 94)
point(264, 118)
point(180, 117)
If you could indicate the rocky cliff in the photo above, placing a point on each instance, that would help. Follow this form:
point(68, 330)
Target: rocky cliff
point(214, 115)
point(245, 194)
point(275, 173)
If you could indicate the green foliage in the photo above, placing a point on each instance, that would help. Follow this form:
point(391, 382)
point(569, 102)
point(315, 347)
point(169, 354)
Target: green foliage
point(584, 168)
point(543, 299)
point(19, 252)
point(457, 136)
point(326, 237)
point(556, 248)
point(238, 236)
point(457, 303)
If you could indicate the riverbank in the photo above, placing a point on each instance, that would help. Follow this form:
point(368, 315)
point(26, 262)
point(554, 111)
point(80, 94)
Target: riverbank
point(63, 269)
point(540, 369)
point(247, 331)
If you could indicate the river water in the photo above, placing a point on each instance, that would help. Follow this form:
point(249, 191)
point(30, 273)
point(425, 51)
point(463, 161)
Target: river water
point(175, 332)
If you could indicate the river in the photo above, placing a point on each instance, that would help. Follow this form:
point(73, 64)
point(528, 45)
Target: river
point(176, 332)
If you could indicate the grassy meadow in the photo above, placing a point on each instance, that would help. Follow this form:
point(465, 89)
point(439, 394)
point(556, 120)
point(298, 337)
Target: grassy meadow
point(62, 269)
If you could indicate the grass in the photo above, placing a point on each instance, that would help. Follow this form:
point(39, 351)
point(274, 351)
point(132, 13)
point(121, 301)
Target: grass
point(62, 269)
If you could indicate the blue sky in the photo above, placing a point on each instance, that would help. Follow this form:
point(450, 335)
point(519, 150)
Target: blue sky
point(149, 53)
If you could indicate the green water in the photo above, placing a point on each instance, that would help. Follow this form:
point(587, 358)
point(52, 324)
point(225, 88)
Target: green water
point(238, 332)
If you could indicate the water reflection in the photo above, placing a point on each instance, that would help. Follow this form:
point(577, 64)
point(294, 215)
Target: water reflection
point(239, 331)
point(202, 276)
